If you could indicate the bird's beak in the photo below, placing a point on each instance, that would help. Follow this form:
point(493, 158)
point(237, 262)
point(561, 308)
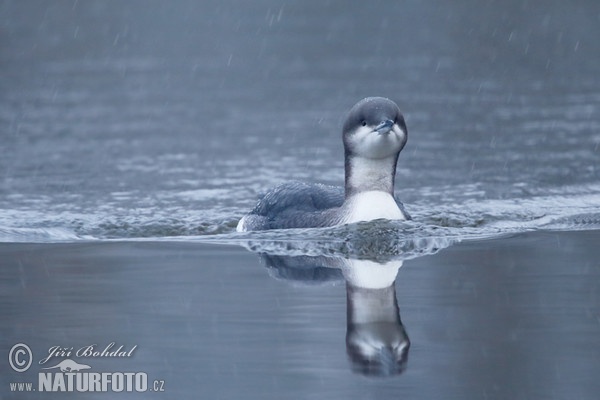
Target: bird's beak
point(384, 127)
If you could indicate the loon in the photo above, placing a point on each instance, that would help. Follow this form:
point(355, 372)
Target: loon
point(374, 134)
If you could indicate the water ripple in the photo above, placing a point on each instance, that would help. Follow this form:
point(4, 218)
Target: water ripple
point(434, 227)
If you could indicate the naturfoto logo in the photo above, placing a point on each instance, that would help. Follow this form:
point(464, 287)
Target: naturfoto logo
point(63, 374)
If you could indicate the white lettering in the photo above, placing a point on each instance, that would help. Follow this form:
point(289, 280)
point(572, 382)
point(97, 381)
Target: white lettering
point(92, 351)
point(21, 386)
point(118, 382)
point(94, 381)
point(56, 351)
point(85, 351)
point(141, 382)
point(83, 383)
point(59, 383)
point(129, 376)
point(106, 380)
point(70, 376)
point(88, 382)
point(45, 381)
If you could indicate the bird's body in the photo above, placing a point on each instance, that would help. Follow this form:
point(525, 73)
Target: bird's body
point(374, 134)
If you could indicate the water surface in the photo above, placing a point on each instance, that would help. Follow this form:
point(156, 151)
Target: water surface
point(516, 318)
point(148, 120)
point(134, 135)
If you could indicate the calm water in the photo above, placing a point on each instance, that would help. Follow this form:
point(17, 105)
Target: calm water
point(516, 318)
point(133, 135)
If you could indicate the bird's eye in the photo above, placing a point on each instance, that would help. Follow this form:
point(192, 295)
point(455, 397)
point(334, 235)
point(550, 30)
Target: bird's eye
point(363, 122)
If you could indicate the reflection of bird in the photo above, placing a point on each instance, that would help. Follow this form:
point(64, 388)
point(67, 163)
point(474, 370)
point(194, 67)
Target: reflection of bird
point(374, 134)
point(302, 269)
point(376, 341)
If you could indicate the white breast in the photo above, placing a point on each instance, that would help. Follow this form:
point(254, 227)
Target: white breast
point(367, 206)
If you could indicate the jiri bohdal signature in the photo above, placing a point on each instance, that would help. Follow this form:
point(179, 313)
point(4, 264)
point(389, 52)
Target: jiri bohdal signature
point(92, 350)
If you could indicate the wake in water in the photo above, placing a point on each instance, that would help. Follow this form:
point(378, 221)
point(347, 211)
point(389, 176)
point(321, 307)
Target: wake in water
point(434, 227)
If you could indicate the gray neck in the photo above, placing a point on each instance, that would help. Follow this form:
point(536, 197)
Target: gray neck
point(365, 174)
